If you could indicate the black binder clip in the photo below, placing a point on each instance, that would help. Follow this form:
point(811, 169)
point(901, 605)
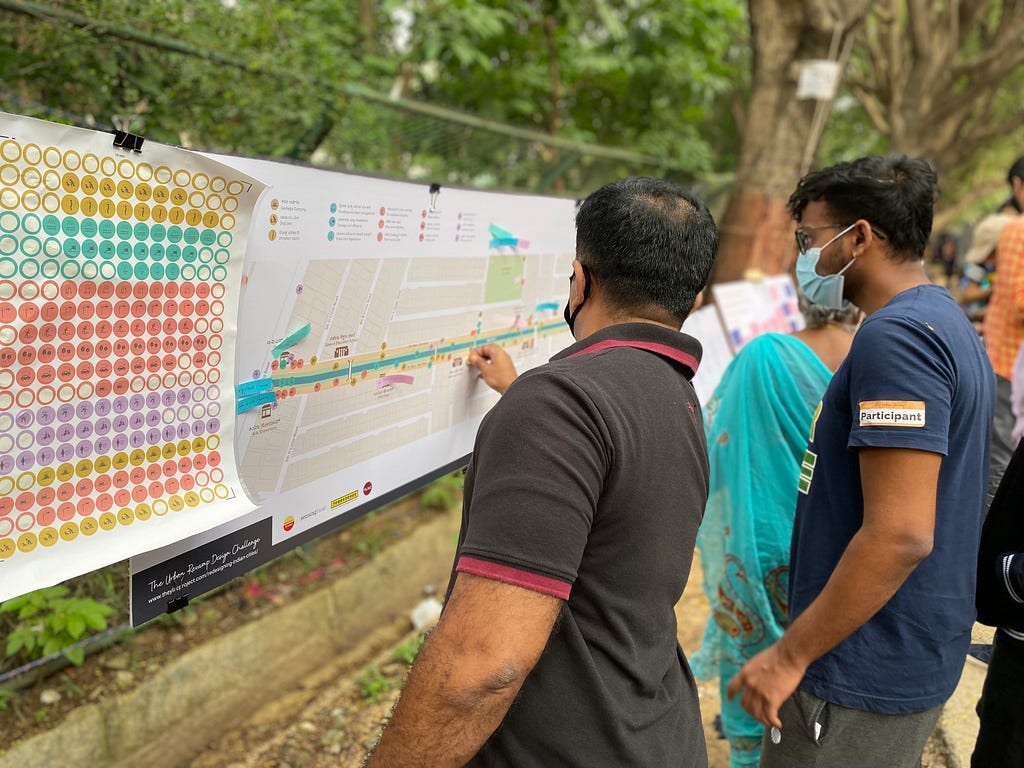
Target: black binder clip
point(177, 603)
point(435, 190)
point(128, 141)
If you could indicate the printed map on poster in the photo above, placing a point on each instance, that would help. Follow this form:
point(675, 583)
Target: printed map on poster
point(361, 302)
point(118, 297)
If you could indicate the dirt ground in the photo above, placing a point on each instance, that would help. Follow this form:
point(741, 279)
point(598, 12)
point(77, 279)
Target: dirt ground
point(331, 718)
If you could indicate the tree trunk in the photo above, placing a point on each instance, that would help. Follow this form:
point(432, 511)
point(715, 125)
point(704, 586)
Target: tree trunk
point(777, 133)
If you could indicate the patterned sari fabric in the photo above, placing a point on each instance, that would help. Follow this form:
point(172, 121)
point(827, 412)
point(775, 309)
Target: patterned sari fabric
point(757, 423)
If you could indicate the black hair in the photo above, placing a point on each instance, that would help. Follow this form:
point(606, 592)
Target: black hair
point(895, 194)
point(1016, 171)
point(650, 243)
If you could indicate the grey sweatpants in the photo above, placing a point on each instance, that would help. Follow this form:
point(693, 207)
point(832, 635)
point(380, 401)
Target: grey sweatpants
point(819, 734)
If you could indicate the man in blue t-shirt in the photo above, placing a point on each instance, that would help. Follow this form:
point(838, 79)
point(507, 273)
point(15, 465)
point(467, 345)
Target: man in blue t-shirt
point(891, 492)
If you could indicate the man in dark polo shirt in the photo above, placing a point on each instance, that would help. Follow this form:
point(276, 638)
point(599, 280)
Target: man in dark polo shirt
point(557, 645)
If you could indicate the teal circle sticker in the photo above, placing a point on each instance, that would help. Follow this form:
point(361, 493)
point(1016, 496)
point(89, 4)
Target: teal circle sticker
point(107, 249)
point(156, 271)
point(158, 232)
point(71, 248)
point(191, 235)
point(141, 231)
point(124, 270)
point(156, 252)
point(124, 251)
point(30, 246)
point(173, 252)
point(220, 274)
point(141, 271)
point(31, 224)
point(52, 247)
point(51, 225)
point(9, 221)
point(89, 249)
point(69, 226)
point(141, 251)
point(189, 253)
point(172, 272)
point(207, 237)
point(106, 229)
point(89, 227)
point(29, 268)
point(174, 233)
point(124, 230)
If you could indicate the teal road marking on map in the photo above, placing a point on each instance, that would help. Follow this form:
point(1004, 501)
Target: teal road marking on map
point(542, 329)
point(254, 401)
point(290, 340)
point(253, 387)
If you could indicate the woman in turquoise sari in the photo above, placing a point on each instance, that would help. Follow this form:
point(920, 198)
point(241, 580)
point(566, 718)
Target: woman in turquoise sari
point(757, 424)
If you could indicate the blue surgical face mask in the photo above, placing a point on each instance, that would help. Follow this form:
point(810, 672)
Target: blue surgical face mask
point(826, 291)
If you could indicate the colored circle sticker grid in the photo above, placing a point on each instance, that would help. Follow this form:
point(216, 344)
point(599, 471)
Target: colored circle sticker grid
point(112, 320)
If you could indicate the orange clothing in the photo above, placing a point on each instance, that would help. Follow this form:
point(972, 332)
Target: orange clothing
point(1004, 321)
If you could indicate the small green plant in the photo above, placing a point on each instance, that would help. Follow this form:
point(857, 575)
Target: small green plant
point(373, 683)
point(443, 493)
point(49, 621)
point(408, 651)
point(371, 544)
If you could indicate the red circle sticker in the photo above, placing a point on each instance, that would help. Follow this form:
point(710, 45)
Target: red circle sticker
point(367, 488)
point(289, 523)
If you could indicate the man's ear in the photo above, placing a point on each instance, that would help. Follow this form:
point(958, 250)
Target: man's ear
point(697, 302)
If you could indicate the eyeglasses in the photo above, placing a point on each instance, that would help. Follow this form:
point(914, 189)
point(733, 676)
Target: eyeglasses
point(803, 242)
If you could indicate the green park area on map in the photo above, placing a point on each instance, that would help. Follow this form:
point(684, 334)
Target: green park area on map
point(504, 278)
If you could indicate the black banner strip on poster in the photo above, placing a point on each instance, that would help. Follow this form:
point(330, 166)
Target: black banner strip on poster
point(170, 585)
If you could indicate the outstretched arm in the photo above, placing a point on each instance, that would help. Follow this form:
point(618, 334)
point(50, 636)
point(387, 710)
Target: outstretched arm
point(495, 366)
point(899, 486)
point(490, 637)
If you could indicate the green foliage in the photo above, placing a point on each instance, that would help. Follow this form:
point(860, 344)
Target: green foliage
point(443, 493)
point(373, 683)
point(640, 74)
point(48, 621)
point(407, 652)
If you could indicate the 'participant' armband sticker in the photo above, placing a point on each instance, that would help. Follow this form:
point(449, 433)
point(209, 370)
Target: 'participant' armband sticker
point(891, 413)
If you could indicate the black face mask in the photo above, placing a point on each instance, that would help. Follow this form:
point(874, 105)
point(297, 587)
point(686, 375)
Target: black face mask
point(570, 319)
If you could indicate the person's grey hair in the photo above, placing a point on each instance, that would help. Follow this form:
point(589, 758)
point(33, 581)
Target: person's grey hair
point(817, 316)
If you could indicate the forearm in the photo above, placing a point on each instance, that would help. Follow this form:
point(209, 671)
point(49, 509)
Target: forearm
point(868, 574)
point(445, 714)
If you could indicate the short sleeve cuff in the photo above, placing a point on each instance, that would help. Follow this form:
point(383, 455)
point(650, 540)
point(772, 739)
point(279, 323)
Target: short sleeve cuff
point(515, 576)
point(931, 443)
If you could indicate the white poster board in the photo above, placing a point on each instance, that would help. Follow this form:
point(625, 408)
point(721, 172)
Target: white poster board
point(119, 288)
